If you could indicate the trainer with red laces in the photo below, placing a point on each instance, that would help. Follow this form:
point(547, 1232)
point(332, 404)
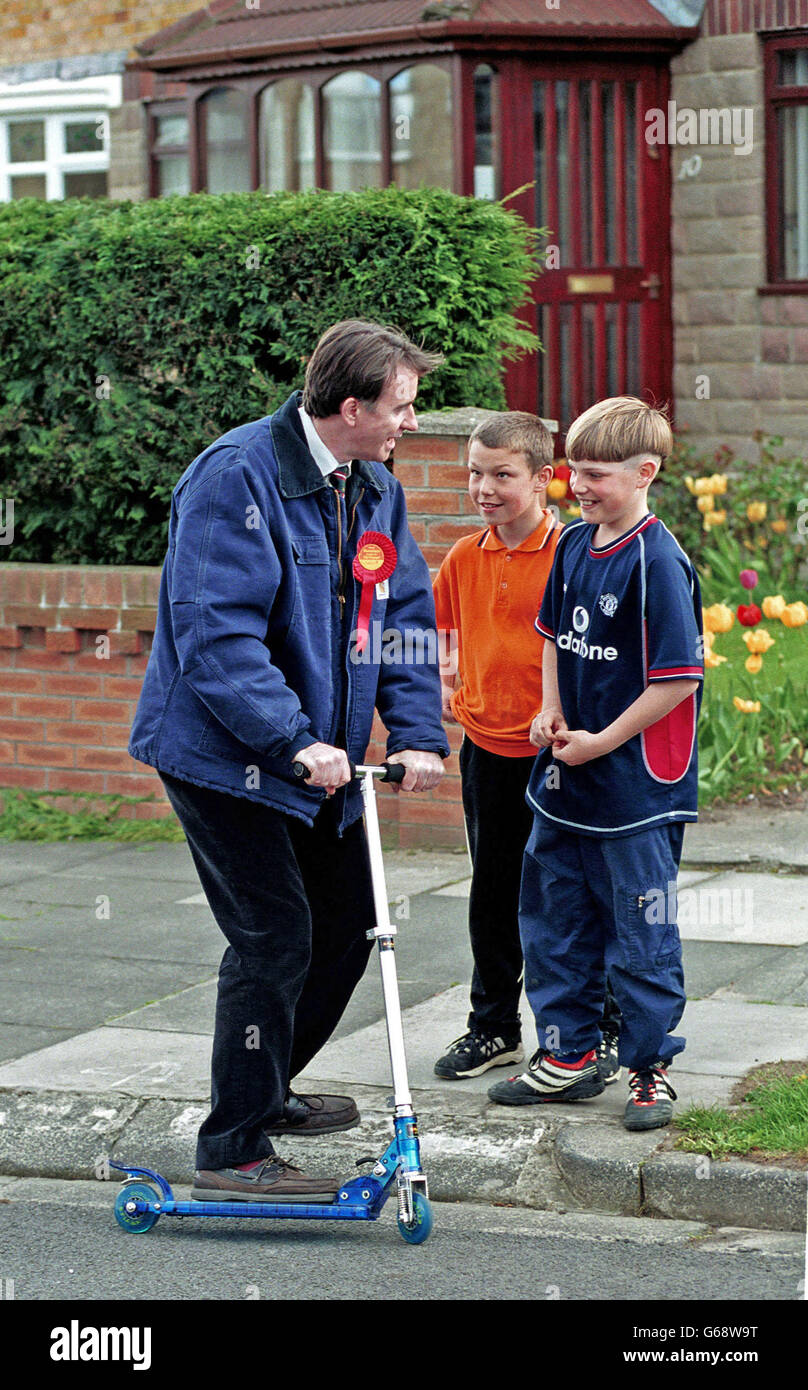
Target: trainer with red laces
point(254, 668)
point(616, 779)
point(650, 1104)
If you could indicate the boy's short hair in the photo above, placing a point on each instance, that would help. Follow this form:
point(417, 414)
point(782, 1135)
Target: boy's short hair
point(618, 428)
point(518, 431)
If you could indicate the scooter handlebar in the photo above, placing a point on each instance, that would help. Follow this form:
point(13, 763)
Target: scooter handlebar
point(389, 772)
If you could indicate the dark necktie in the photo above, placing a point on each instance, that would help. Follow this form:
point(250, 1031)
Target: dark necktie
point(338, 479)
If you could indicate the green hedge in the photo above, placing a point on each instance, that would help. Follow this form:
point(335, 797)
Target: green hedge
point(135, 333)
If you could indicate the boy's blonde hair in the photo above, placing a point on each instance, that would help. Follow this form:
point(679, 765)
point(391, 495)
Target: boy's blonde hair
point(518, 431)
point(618, 429)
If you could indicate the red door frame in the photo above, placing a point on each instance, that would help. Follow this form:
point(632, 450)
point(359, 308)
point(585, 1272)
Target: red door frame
point(649, 282)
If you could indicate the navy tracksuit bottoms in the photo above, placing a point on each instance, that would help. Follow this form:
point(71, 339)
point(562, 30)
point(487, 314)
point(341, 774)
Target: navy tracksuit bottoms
point(592, 907)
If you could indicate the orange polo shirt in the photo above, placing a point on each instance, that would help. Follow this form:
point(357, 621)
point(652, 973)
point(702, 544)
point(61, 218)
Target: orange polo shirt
point(490, 596)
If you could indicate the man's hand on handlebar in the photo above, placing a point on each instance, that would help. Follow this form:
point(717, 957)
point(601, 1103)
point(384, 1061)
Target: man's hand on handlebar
point(328, 766)
point(424, 770)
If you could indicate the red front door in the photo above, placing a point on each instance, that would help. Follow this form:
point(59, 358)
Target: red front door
point(575, 130)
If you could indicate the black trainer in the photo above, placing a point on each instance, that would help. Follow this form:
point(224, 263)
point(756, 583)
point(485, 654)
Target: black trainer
point(608, 1060)
point(474, 1053)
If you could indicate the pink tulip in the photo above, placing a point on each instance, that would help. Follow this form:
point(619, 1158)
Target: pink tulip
point(749, 578)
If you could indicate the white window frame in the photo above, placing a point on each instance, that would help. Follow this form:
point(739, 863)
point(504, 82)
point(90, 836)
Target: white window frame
point(58, 104)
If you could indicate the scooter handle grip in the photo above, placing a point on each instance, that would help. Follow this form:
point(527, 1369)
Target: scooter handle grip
point(396, 772)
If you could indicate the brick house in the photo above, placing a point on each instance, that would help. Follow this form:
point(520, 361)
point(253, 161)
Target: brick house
point(665, 142)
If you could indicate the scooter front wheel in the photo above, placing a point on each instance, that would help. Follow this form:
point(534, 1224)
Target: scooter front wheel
point(415, 1232)
point(135, 1222)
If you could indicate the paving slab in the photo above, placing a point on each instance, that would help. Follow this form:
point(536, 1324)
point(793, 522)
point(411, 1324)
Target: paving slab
point(748, 835)
point(764, 909)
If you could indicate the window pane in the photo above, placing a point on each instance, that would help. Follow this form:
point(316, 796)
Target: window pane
point(228, 153)
point(84, 137)
point(352, 132)
point(90, 185)
point(171, 130)
point(585, 171)
point(539, 156)
point(26, 141)
point(485, 149)
point(631, 171)
point(421, 127)
point(607, 106)
point(793, 151)
point(226, 115)
point(229, 171)
point(173, 175)
point(287, 136)
point(792, 68)
point(28, 186)
point(562, 98)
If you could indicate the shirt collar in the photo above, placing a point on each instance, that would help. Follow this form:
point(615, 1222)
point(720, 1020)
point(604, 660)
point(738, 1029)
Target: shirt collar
point(319, 451)
point(535, 541)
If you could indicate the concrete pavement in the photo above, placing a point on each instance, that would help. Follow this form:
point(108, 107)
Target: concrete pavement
point(109, 957)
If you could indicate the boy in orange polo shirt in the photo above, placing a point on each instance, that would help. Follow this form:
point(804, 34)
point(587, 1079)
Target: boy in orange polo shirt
point(486, 593)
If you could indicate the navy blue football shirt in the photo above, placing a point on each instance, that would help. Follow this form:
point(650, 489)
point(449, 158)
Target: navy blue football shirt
point(622, 615)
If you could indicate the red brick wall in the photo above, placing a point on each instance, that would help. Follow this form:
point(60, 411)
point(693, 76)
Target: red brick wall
point(74, 643)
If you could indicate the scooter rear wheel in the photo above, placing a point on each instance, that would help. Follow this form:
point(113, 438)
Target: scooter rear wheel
point(135, 1222)
point(415, 1232)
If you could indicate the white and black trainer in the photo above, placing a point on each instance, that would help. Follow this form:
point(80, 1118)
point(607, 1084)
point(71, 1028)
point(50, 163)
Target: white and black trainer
point(474, 1053)
point(548, 1079)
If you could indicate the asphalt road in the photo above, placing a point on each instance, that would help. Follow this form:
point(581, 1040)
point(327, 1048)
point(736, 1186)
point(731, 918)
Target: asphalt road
point(60, 1241)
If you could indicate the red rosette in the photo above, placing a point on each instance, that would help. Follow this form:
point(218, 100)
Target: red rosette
point(374, 562)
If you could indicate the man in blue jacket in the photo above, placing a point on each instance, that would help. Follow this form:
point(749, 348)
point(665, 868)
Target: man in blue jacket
point(256, 665)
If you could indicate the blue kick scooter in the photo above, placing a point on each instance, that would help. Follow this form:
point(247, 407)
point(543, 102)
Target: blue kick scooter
point(145, 1196)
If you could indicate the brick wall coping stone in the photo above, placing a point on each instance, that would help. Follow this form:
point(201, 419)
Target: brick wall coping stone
point(462, 421)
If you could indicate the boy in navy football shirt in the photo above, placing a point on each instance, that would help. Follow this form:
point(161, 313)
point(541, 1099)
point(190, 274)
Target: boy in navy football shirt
point(622, 673)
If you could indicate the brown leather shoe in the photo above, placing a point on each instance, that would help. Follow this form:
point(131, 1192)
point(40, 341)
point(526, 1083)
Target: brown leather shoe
point(274, 1180)
point(314, 1115)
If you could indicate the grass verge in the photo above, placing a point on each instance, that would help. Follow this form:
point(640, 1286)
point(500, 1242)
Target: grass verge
point(768, 1118)
point(54, 816)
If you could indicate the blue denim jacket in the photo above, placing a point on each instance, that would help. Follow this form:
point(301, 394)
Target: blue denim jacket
point(251, 657)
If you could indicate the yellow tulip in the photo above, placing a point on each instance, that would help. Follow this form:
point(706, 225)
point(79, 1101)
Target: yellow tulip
point(712, 659)
point(794, 615)
point(719, 482)
point(756, 511)
point(718, 617)
point(759, 640)
point(689, 484)
point(574, 510)
point(705, 503)
point(703, 486)
point(753, 664)
point(773, 606)
point(780, 526)
point(557, 488)
point(746, 706)
point(716, 518)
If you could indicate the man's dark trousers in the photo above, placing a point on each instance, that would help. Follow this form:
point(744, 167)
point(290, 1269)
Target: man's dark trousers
point(294, 903)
